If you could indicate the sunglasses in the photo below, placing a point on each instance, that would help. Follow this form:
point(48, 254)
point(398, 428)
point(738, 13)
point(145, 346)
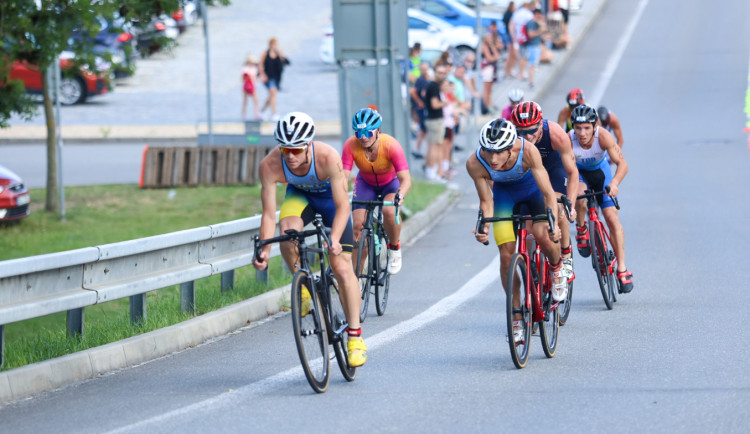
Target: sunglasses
point(293, 151)
point(528, 132)
point(364, 134)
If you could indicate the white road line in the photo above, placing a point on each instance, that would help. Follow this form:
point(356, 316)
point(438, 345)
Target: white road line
point(614, 59)
point(440, 309)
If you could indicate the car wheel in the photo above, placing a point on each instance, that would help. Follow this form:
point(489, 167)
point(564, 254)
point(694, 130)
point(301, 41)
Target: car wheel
point(72, 91)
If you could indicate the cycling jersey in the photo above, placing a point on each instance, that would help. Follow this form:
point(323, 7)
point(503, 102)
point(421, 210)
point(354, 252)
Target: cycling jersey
point(511, 190)
point(307, 195)
point(588, 159)
point(593, 167)
point(552, 162)
point(382, 171)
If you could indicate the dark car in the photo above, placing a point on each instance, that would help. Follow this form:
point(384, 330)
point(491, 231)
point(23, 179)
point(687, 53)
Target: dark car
point(14, 197)
point(116, 43)
point(77, 84)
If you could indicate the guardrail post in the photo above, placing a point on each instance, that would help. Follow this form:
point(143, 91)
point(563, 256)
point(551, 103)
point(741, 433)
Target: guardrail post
point(2, 345)
point(137, 308)
point(74, 322)
point(285, 268)
point(261, 276)
point(227, 280)
point(187, 297)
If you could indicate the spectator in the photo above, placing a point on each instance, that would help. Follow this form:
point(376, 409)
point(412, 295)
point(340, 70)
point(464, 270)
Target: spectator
point(450, 120)
point(415, 61)
point(435, 124)
point(445, 59)
point(535, 29)
point(249, 75)
point(506, 21)
point(419, 106)
point(490, 57)
point(470, 80)
point(519, 19)
point(272, 63)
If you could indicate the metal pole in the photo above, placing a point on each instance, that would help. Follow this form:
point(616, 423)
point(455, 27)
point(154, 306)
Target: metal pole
point(204, 14)
point(58, 133)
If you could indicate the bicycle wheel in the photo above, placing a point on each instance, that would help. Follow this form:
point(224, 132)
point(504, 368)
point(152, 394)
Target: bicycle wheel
point(599, 261)
point(565, 306)
point(310, 333)
point(519, 351)
point(363, 272)
point(384, 277)
point(337, 327)
point(549, 328)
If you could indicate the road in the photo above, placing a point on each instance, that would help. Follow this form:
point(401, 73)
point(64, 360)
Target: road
point(671, 356)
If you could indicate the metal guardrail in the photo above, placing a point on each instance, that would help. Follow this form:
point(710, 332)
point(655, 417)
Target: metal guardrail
point(69, 281)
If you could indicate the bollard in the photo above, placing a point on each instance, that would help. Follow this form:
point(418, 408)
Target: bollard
point(187, 297)
point(2, 345)
point(227, 280)
point(74, 322)
point(137, 308)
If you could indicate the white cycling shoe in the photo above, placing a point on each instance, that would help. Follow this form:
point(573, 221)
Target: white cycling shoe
point(394, 265)
point(560, 290)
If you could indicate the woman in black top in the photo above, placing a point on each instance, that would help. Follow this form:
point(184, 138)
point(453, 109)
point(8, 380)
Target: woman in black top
point(271, 65)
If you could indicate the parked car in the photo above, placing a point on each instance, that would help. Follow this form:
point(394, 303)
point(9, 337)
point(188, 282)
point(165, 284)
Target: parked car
point(431, 32)
point(457, 14)
point(14, 196)
point(115, 43)
point(187, 14)
point(160, 31)
point(77, 84)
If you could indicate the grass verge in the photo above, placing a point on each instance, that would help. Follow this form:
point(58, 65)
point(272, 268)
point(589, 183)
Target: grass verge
point(107, 214)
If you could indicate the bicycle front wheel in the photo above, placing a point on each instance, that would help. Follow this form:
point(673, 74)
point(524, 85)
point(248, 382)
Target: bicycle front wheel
point(310, 332)
point(599, 259)
point(549, 327)
point(565, 306)
point(384, 277)
point(337, 324)
point(363, 272)
point(518, 341)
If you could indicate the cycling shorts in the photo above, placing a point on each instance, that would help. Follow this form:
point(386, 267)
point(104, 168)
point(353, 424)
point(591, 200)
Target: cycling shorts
point(305, 205)
point(365, 191)
point(596, 180)
point(513, 199)
point(558, 177)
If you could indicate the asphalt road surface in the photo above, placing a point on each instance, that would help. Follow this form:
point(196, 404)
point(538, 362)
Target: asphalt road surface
point(671, 357)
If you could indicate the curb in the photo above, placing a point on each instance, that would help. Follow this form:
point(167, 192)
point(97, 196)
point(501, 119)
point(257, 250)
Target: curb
point(56, 373)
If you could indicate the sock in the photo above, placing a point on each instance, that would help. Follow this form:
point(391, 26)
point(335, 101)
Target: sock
point(354, 332)
point(396, 246)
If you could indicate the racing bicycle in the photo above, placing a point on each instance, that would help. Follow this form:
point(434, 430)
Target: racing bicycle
point(318, 317)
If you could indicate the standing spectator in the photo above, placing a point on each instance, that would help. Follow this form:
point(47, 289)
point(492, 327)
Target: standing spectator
point(415, 61)
point(450, 120)
point(490, 56)
point(519, 20)
point(535, 29)
point(506, 22)
point(419, 106)
point(272, 63)
point(249, 74)
point(470, 79)
point(513, 45)
point(515, 96)
point(445, 59)
point(435, 124)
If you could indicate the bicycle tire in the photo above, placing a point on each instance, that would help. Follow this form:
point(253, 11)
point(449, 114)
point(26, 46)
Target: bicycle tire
point(310, 334)
point(599, 262)
point(519, 352)
point(383, 281)
point(565, 307)
point(337, 324)
point(549, 327)
point(363, 273)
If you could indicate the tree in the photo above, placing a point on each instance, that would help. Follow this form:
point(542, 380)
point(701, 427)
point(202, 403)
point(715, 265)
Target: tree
point(37, 31)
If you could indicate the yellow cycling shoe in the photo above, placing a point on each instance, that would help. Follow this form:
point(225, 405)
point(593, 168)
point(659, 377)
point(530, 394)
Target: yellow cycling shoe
point(357, 351)
point(305, 301)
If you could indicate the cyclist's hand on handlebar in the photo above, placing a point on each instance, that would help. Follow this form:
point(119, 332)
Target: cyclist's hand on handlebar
point(555, 236)
point(482, 238)
point(613, 190)
point(398, 199)
point(573, 215)
point(263, 263)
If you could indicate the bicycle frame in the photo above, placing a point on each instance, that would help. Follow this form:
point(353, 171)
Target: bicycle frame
point(592, 205)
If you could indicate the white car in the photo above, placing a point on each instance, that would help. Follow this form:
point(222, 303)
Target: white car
point(431, 32)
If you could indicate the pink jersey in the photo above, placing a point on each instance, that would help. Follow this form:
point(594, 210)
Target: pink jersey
point(507, 111)
point(390, 159)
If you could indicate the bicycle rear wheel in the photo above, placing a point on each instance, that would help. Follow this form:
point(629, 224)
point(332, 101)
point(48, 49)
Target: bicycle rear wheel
point(383, 282)
point(549, 328)
point(519, 350)
point(310, 332)
point(337, 326)
point(363, 272)
point(599, 259)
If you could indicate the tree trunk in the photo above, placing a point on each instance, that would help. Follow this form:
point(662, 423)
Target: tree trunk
point(52, 201)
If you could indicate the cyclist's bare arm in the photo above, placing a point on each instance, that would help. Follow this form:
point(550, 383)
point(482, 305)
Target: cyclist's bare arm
point(269, 176)
point(563, 116)
point(481, 181)
point(404, 179)
point(561, 142)
point(607, 142)
point(614, 123)
point(329, 163)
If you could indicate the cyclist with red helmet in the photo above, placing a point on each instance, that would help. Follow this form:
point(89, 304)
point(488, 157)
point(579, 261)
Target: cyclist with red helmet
point(557, 157)
point(573, 99)
point(591, 146)
point(508, 173)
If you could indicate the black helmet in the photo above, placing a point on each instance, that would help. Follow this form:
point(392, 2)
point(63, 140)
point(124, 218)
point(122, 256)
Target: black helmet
point(603, 115)
point(583, 114)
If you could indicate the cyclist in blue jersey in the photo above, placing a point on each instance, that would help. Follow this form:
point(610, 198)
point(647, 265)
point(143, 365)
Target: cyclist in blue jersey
point(509, 177)
point(591, 146)
point(315, 185)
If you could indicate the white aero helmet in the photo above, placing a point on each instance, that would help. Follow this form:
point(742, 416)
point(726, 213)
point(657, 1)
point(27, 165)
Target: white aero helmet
point(294, 130)
point(497, 135)
point(515, 95)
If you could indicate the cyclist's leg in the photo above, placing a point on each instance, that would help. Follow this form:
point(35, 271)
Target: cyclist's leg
point(559, 179)
point(389, 213)
point(582, 236)
point(505, 237)
point(295, 213)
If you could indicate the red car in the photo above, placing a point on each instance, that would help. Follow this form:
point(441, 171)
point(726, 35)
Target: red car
point(14, 196)
point(73, 90)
